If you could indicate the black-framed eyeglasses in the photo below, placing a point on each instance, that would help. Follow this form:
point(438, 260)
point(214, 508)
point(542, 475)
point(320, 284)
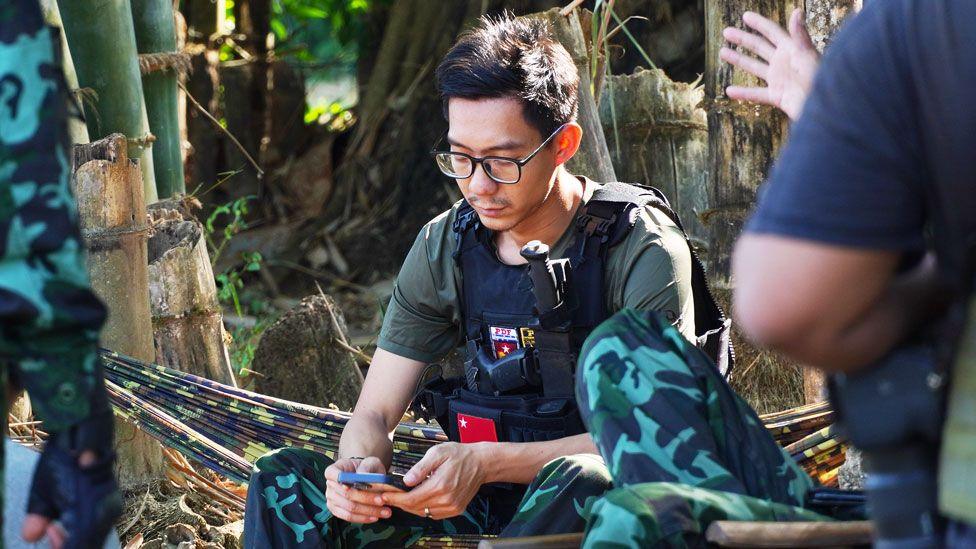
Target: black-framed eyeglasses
point(501, 169)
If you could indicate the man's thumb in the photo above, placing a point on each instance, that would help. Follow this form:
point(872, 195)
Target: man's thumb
point(34, 527)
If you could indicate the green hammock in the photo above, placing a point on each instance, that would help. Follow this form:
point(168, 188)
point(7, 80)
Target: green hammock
point(226, 428)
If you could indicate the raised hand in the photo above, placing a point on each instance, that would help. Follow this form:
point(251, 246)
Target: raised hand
point(786, 61)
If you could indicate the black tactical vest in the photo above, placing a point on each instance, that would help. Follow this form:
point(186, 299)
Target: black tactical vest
point(502, 324)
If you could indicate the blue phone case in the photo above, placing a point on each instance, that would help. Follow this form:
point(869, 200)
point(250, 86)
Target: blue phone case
point(365, 480)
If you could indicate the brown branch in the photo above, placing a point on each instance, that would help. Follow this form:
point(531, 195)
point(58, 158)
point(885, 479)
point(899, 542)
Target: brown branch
point(570, 7)
point(222, 129)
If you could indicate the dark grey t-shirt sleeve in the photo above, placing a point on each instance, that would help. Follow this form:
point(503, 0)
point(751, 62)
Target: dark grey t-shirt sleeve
point(852, 171)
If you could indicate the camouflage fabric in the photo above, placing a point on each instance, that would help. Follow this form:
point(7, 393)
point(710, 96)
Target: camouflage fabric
point(286, 506)
point(683, 449)
point(49, 319)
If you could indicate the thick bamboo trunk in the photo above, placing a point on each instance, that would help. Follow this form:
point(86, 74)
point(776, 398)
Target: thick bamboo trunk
point(103, 47)
point(743, 138)
point(593, 158)
point(658, 136)
point(112, 215)
point(155, 32)
point(77, 131)
point(187, 323)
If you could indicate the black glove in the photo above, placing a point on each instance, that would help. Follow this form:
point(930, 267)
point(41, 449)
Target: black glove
point(85, 500)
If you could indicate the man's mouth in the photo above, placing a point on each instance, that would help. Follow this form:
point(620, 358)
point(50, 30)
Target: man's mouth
point(490, 212)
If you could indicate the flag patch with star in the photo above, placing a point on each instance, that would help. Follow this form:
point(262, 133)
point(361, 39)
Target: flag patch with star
point(504, 341)
point(476, 429)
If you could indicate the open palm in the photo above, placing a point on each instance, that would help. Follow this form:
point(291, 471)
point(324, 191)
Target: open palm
point(786, 61)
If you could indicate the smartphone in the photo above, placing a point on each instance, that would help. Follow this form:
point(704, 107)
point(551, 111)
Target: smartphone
point(374, 482)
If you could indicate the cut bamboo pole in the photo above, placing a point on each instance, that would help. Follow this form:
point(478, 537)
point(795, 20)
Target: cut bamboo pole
point(593, 158)
point(161, 63)
point(658, 136)
point(103, 47)
point(187, 322)
point(112, 216)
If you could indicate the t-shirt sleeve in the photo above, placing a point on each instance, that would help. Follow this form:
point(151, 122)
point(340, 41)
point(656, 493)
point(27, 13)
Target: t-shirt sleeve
point(852, 170)
point(422, 320)
point(655, 273)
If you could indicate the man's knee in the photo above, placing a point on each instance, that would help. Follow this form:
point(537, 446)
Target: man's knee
point(290, 459)
point(579, 472)
point(626, 358)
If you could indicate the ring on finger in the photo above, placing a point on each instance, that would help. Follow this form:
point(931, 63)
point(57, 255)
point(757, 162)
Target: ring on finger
point(427, 512)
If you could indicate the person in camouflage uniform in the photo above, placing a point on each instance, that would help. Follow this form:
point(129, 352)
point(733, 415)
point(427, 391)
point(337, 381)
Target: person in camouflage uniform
point(49, 318)
point(683, 449)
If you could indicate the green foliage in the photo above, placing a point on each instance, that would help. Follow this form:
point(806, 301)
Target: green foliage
point(230, 282)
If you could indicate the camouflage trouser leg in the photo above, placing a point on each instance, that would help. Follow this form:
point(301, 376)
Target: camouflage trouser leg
point(682, 447)
point(286, 506)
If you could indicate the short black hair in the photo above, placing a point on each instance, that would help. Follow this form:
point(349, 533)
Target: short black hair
point(517, 58)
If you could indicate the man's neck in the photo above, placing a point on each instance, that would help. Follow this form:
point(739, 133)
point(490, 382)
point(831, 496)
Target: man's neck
point(551, 219)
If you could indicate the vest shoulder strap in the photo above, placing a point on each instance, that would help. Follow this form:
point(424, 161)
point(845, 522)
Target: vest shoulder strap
point(610, 215)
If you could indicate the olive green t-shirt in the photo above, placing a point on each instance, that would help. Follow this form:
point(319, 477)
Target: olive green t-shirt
point(649, 270)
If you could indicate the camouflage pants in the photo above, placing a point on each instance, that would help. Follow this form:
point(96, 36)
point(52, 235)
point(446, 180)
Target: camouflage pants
point(683, 449)
point(49, 319)
point(286, 506)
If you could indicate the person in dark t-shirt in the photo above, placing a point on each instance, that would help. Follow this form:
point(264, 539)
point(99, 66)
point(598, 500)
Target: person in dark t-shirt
point(879, 168)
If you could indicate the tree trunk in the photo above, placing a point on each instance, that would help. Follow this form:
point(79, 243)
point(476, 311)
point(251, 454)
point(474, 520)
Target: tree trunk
point(160, 61)
point(112, 216)
point(824, 17)
point(300, 357)
point(188, 329)
point(204, 19)
point(743, 138)
point(103, 47)
point(658, 136)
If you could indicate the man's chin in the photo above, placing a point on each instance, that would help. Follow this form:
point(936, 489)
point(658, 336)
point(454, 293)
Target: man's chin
point(497, 224)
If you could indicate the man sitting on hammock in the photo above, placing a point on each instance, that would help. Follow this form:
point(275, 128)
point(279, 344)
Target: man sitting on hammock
point(521, 461)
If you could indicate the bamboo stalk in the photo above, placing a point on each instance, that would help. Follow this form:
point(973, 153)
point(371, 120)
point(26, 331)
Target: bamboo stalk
point(103, 45)
point(155, 32)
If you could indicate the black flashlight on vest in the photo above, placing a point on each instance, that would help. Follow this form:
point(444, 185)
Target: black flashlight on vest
point(524, 367)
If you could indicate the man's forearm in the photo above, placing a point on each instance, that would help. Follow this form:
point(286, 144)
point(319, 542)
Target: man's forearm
point(520, 462)
point(366, 435)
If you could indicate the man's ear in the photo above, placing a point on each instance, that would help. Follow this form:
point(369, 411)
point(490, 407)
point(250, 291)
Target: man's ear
point(568, 142)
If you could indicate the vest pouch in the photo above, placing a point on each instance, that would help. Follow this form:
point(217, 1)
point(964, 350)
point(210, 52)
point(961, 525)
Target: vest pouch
point(516, 418)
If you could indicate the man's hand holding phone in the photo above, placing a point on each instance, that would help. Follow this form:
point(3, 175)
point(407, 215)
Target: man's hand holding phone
point(351, 504)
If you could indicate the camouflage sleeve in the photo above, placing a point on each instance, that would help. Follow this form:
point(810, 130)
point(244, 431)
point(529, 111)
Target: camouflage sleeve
point(49, 318)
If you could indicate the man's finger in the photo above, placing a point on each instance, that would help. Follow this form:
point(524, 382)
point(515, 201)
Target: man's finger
point(345, 515)
point(752, 42)
point(371, 465)
point(56, 535)
point(773, 32)
point(423, 468)
point(34, 527)
point(751, 65)
point(798, 28)
point(753, 95)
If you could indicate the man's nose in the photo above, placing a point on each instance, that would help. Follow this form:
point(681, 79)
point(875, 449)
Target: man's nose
point(480, 183)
